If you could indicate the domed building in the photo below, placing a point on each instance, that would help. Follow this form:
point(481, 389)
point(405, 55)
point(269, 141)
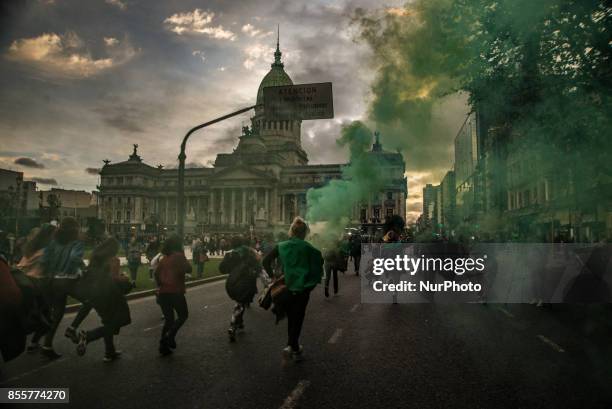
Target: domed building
point(261, 185)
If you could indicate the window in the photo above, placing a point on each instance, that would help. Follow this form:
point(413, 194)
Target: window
point(389, 195)
point(128, 216)
point(389, 211)
point(118, 216)
point(118, 200)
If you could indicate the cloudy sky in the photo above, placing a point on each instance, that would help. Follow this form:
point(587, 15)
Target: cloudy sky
point(83, 80)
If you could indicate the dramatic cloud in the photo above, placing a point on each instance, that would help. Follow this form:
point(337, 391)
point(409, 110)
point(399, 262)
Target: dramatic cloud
point(67, 55)
point(45, 181)
point(29, 163)
point(251, 31)
point(117, 3)
point(197, 22)
point(92, 171)
point(256, 53)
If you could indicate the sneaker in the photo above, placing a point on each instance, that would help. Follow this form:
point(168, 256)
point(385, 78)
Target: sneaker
point(298, 356)
point(33, 347)
point(50, 353)
point(232, 334)
point(287, 351)
point(164, 349)
point(71, 334)
point(172, 343)
point(82, 343)
point(326, 292)
point(110, 357)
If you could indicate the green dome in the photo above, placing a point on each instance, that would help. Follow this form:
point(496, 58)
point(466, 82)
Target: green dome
point(275, 77)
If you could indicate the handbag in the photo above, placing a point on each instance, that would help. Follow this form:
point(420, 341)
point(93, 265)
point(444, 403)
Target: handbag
point(276, 293)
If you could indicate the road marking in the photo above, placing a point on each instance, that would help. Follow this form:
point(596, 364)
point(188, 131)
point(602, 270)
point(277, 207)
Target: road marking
point(354, 307)
point(151, 328)
point(550, 343)
point(23, 375)
point(335, 336)
point(506, 312)
point(295, 395)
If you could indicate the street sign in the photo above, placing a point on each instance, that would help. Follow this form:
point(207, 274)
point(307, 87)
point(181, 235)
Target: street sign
point(300, 101)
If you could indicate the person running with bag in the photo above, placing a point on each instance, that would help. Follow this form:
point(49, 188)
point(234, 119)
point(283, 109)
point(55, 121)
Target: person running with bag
point(170, 277)
point(302, 266)
point(105, 291)
point(242, 266)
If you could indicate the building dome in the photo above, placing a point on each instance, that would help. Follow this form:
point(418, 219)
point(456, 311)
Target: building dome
point(275, 77)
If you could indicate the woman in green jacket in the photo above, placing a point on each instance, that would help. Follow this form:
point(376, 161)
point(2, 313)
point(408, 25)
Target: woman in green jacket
point(302, 266)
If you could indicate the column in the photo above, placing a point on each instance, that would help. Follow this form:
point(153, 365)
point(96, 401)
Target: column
point(243, 216)
point(295, 206)
point(267, 205)
point(281, 213)
point(211, 206)
point(166, 211)
point(233, 215)
point(222, 207)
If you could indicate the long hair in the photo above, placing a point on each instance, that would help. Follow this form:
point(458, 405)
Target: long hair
point(101, 255)
point(298, 228)
point(40, 240)
point(68, 231)
point(173, 244)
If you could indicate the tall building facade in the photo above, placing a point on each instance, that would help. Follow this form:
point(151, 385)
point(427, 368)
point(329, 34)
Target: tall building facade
point(261, 185)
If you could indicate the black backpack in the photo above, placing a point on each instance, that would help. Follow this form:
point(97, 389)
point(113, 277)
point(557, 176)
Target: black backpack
point(241, 283)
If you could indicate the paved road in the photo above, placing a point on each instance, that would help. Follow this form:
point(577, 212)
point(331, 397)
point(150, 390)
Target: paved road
point(371, 356)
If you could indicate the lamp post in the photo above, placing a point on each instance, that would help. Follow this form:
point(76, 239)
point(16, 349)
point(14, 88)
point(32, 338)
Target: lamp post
point(180, 199)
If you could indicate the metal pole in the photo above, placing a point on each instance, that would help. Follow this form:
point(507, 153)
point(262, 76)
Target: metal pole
point(180, 200)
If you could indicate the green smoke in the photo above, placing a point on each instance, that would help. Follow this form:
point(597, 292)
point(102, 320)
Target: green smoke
point(541, 68)
point(334, 202)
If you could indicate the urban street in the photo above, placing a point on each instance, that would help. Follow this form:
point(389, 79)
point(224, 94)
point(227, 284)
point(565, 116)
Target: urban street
point(356, 355)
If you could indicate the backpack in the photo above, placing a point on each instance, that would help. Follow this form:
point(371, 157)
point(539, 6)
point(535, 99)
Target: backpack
point(241, 283)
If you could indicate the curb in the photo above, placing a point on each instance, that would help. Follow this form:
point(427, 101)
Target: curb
point(147, 293)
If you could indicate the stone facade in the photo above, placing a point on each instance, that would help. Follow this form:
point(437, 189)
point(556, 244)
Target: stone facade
point(261, 185)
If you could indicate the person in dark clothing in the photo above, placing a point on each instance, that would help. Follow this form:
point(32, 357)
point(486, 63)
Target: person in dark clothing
point(335, 261)
point(62, 265)
point(13, 339)
point(133, 259)
point(241, 264)
point(355, 251)
point(199, 256)
point(104, 293)
point(302, 265)
point(170, 277)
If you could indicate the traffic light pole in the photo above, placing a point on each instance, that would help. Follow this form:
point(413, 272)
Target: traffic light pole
point(180, 199)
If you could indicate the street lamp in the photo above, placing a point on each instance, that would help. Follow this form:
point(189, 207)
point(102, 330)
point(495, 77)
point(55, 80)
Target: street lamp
point(180, 200)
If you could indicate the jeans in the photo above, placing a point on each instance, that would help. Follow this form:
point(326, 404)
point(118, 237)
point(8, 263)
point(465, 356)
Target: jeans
point(170, 303)
point(332, 271)
point(296, 310)
point(60, 289)
point(356, 261)
point(200, 269)
point(103, 332)
point(237, 320)
point(133, 272)
point(81, 315)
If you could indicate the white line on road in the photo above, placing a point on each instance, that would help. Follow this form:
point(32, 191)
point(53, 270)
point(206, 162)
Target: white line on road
point(550, 343)
point(151, 328)
point(335, 336)
point(23, 375)
point(354, 307)
point(295, 395)
point(506, 312)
